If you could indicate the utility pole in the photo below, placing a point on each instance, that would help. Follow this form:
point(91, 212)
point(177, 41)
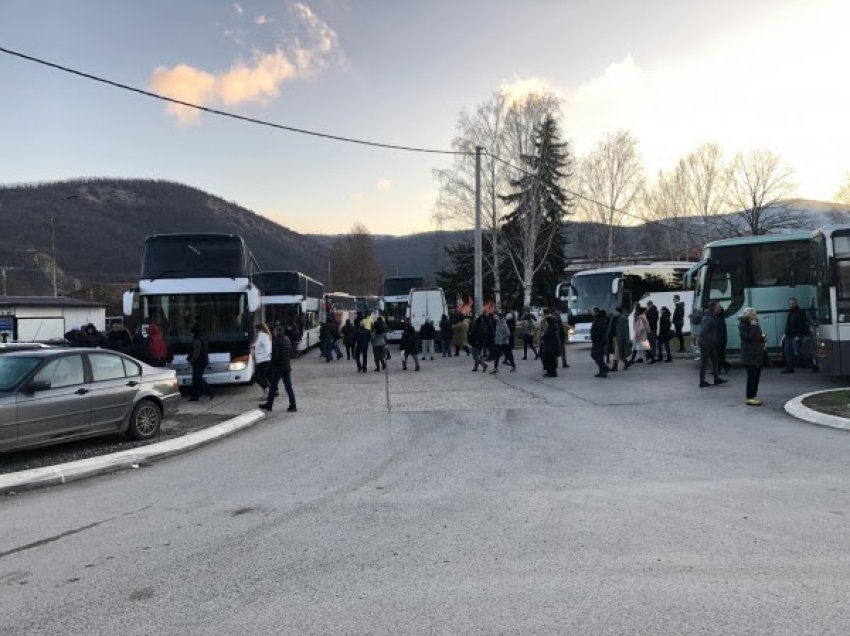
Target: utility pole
point(53, 237)
point(478, 306)
point(4, 282)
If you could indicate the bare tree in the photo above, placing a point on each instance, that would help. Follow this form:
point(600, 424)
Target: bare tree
point(505, 129)
point(666, 211)
point(707, 183)
point(760, 186)
point(611, 181)
point(843, 194)
point(353, 267)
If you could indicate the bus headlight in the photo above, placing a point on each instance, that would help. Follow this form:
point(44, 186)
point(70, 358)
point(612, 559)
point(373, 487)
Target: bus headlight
point(239, 363)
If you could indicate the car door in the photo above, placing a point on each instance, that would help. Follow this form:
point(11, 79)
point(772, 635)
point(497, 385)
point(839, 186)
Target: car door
point(112, 392)
point(8, 420)
point(57, 412)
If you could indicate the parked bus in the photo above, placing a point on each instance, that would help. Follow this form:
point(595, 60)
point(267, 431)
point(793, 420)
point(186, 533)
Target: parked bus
point(394, 303)
point(368, 309)
point(753, 271)
point(621, 286)
point(341, 306)
point(204, 280)
point(293, 299)
point(830, 255)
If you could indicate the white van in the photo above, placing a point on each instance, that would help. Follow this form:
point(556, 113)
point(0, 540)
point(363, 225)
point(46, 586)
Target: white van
point(426, 302)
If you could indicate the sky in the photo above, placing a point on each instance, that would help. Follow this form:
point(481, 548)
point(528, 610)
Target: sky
point(746, 74)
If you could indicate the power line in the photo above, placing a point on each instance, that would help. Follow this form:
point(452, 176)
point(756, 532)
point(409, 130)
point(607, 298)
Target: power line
point(222, 113)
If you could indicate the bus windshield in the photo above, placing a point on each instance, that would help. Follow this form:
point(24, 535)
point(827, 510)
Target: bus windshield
point(224, 318)
point(399, 286)
point(279, 283)
point(592, 290)
point(394, 314)
point(194, 256)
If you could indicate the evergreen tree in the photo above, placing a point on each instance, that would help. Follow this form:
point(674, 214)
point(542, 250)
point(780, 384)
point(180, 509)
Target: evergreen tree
point(534, 231)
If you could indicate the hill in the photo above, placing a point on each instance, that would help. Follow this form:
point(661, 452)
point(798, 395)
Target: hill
point(100, 230)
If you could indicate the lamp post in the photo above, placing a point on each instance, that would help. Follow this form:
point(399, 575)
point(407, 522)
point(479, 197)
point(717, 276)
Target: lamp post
point(53, 237)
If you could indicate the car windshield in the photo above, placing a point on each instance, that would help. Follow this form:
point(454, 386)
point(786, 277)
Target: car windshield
point(13, 369)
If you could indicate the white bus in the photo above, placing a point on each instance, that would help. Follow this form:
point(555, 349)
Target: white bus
point(341, 306)
point(394, 303)
point(622, 286)
point(294, 300)
point(830, 256)
point(203, 280)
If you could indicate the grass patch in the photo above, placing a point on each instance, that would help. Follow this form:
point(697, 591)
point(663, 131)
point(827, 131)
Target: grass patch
point(832, 402)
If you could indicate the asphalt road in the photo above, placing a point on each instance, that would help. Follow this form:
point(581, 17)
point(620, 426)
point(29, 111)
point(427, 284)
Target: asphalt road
point(636, 504)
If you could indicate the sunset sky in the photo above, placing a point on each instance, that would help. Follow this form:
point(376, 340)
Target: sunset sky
point(743, 73)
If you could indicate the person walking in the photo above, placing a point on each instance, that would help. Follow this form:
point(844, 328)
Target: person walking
point(446, 336)
point(652, 317)
point(562, 338)
point(478, 340)
point(326, 339)
point(348, 331)
point(262, 356)
point(490, 322)
point(379, 344)
point(618, 333)
point(362, 338)
point(550, 346)
point(529, 326)
point(599, 341)
point(502, 339)
point(199, 358)
point(752, 352)
point(665, 333)
point(708, 346)
point(722, 339)
point(409, 345)
point(460, 332)
point(510, 318)
point(427, 334)
point(641, 337)
point(635, 309)
point(281, 369)
point(796, 328)
point(679, 321)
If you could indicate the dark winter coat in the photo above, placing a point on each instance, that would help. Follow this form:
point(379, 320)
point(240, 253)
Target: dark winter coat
point(550, 341)
point(618, 330)
point(348, 331)
point(427, 331)
point(664, 324)
point(200, 355)
point(708, 336)
point(362, 337)
point(446, 330)
point(797, 324)
point(409, 342)
point(281, 354)
point(599, 332)
point(679, 314)
point(479, 334)
point(652, 318)
point(752, 343)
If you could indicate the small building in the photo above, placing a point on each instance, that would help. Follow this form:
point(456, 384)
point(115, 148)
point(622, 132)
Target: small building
point(43, 318)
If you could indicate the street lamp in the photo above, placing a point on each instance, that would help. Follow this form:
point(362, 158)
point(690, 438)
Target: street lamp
point(53, 237)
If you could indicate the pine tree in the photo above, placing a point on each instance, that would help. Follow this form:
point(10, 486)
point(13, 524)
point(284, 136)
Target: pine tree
point(534, 232)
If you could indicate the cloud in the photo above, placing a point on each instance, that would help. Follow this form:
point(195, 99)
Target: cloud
point(256, 80)
point(384, 185)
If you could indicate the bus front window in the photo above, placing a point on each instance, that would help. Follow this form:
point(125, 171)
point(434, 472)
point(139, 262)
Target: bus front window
point(841, 250)
point(592, 290)
point(724, 280)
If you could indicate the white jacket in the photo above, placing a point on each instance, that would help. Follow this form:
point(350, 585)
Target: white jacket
point(262, 348)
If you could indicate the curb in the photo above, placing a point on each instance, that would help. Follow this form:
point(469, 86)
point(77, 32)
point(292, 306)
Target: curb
point(132, 458)
point(795, 408)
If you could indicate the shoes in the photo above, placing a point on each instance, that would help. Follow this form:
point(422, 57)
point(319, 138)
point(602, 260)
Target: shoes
point(754, 401)
point(485, 367)
point(787, 370)
point(513, 368)
point(404, 367)
point(638, 361)
point(565, 366)
point(601, 375)
point(524, 358)
point(550, 375)
point(651, 361)
point(626, 364)
point(702, 385)
point(378, 369)
point(384, 366)
point(719, 381)
point(291, 409)
point(416, 369)
point(494, 371)
point(265, 407)
point(193, 399)
point(669, 360)
point(432, 357)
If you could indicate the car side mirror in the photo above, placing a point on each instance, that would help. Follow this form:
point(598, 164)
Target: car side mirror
point(37, 385)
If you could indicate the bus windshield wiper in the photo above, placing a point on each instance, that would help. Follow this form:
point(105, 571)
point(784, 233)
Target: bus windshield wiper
point(163, 273)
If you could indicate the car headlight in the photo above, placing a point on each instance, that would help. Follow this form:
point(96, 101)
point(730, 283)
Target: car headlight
point(239, 363)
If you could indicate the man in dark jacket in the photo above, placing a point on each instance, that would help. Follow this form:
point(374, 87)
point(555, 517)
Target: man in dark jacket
point(599, 341)
point(796, 328)
point(708, 340)
point(722, 339)
point(478, 340)
point(679, 321)
point(409, 345)
point(550, 346)
point(199, 358)
point(281, 369)
point(362, 338)
point(446, 336)
point(427, 333)
point(652, 316)
point(348, 331)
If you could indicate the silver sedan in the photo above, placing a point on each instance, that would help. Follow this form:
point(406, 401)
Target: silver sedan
point(49, 396)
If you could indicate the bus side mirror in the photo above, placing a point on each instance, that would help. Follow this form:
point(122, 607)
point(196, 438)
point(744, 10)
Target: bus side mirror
point(303, 306)
point(127, 301)
point(253, 298)
point(615, 286)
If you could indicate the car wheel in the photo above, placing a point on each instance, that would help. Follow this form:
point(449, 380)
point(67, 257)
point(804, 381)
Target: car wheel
point(145, 420)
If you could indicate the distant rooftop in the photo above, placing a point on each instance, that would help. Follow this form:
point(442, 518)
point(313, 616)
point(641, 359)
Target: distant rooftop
point(46, 301)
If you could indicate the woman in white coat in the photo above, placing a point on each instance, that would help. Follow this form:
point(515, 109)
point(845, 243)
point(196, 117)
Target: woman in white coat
point(262, 356)
point(641, 335)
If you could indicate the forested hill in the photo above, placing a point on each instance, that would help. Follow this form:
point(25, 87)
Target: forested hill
point(100, 231)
